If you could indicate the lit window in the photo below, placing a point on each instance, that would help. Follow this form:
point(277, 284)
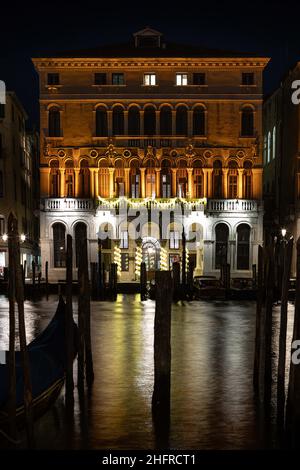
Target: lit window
point(181, 79)
point(150, 79)
point(174, 240)
point(124, 240)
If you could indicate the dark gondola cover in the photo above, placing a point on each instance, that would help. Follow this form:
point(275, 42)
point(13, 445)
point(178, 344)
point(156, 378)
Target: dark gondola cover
point(47, 356)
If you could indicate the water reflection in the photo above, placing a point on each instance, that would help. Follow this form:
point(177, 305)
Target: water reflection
point(212, 402)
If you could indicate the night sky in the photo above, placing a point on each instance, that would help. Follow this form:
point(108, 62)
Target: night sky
point(270, 28)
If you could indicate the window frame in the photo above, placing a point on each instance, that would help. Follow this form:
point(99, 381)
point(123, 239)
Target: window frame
point(150, 75)
point(184, 76)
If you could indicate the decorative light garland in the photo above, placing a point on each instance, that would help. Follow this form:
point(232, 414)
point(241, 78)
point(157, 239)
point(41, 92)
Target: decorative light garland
point(162, 203)
point(138, 260)
point(117, 259)
point(163, 259)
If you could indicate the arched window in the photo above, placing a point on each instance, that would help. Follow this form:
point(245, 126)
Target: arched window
point(119, 178)
point(165, 121)
point(54, 122)
point(101, 122)
point(103, 181)
point(135, 178)
point(54, 179)
point(199, 121)
point(59, 245)
point(243, 246)
point(198, 179)
point(274, 143)
point(84, 179)
point(181, 120)
point(217, 179)
point(222, 234)
point(150, 178)
point(1, 184)
point(165, 178)
point(247, 128)
point(69, 179)
point(134, 121)
point(80, 234)
point(149, 121)
point(269, 147)
point(118, 120)
point(106, 235)
point(247, 180)
point(233, 180)
point(182, 179)
point(265, 149)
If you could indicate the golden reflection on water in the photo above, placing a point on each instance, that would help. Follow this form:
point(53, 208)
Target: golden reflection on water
point(211, 386)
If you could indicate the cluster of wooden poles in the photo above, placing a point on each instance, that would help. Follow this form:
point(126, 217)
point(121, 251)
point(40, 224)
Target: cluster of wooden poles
point(273, 281)
point(85, 358)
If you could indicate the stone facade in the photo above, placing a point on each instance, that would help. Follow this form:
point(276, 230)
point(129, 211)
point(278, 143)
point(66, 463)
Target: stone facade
point(161, 127)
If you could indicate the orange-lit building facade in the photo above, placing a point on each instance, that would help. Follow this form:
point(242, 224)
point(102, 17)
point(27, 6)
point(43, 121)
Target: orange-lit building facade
point(152, 124)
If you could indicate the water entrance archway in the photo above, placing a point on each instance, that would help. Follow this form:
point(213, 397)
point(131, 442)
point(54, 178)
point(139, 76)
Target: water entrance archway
point(151, 253)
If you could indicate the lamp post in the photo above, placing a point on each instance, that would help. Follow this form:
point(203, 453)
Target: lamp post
point(183, 279)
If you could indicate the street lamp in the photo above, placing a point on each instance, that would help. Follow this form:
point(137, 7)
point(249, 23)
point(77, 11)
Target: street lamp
point(23, 237)
point(4, 237)
point(283, 232)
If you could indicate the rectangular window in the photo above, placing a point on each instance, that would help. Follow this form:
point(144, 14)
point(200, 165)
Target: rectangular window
point(199, 78)
point(174, 240)
point(181, 79)
point(150, 79)
point(53, 79)
point(124, 262)
point(124, 240)
point(118, 79)
point(2, 226)
point(248, 78)
point(100, 78)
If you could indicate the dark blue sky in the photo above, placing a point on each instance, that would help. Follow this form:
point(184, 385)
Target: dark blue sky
point(270, 28)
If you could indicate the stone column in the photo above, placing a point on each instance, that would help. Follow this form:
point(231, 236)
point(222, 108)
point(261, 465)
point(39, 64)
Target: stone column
point(143, 183)
point(96, 182)
point(141, 122)
point(209, 183)
point(205, 182)
point(111, 182)
point(199, 260)
point(157, 182)
point(157, 116)
point(190, 182)
point(125, 122)
point(127, 182)
point(109, 123)
point(62, 182)
point(240, 183)
point(190, 123)
point(76, 175)
point(92, 182)
point(225, 182)
point(174, 182)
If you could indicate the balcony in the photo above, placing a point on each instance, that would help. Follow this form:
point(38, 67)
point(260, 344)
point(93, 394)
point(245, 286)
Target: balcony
point(68, 204)
point(231, 205)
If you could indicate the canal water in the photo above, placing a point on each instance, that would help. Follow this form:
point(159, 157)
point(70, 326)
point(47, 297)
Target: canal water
point(212, 403)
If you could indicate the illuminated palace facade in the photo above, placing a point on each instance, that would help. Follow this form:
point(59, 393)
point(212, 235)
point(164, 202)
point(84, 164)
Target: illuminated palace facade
point(151, 123)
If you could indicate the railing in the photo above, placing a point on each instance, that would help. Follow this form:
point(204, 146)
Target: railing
point(231, 205)
point(68, 204)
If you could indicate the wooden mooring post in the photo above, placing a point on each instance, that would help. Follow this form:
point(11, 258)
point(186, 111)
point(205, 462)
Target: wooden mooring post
point(33, 276)
point(46, 279)
point(69, 326)
point(293, 400)
point(267, 325)
point(259, 304)
point(19, 295)
point(162, 354)
point(12, 329)
point(287, 262)
point(176, 281)
point(84, 314)
point(143, 281)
